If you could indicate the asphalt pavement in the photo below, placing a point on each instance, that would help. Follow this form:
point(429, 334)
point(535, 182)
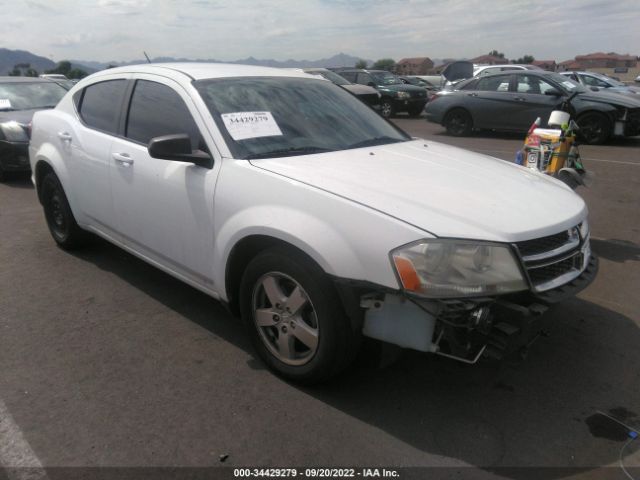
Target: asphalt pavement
point(106, 361)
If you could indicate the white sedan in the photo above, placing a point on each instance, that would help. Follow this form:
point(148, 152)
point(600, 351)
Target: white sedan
point(307, 213)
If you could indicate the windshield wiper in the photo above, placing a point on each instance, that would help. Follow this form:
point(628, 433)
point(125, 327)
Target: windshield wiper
point(287, 152)
point(370, 142)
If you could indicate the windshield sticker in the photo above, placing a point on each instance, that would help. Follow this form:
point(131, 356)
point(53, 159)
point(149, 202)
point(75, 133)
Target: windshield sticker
point(5, 103)
point(244, 125)
point(569, 85)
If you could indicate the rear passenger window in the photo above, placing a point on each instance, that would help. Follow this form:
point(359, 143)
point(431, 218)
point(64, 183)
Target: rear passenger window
point(100, 105)
point(497, 83)
point(351, 76)
point(157, 110)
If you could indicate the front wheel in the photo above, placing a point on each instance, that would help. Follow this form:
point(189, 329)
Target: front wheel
point(458, 123)
point(386, 108)
point(294, 317)
point(594, 128)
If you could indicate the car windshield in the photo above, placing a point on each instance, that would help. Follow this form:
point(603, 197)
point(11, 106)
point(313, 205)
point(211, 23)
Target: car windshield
point(332, 76)
point(262, 117)
point(386, 78)
point(611, 81)
point(565, 82)
point(27, 95)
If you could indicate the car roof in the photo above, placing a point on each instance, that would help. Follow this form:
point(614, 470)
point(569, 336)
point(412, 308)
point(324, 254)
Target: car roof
point(25, 80)
point(199, 71)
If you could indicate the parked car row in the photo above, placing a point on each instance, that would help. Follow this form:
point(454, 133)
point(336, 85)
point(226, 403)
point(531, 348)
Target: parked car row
point(313, 218)
point(512, 100)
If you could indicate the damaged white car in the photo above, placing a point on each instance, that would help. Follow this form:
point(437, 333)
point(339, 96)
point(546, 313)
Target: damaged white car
point(311, 216)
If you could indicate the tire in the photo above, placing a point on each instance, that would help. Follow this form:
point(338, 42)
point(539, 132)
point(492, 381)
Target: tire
point(458, 123)
point(568, 179)
point(295, 318)
point(594, 128)
point(415, 112)
point(62, 225)
point(386, 108)
point(2, 175)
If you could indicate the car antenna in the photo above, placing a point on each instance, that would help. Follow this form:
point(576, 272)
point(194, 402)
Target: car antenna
point(146, 56)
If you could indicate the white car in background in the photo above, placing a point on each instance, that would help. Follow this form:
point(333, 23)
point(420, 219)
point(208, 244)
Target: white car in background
point(317, 220)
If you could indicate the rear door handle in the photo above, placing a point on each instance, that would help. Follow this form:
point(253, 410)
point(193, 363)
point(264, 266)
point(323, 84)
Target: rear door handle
point(520, 99)
point(65, 136)
point(123, 159)
point(472, 94)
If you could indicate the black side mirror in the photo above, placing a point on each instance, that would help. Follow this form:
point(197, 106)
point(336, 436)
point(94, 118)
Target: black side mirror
point(595, 89)
point(178, 148)
point(553, 92)
point(371, 84)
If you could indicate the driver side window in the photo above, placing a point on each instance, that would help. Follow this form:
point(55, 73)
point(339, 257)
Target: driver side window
point(364, 79)
point(593, 81)
point(156, 109)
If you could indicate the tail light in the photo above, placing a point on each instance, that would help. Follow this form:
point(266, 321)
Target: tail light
point(434, 97)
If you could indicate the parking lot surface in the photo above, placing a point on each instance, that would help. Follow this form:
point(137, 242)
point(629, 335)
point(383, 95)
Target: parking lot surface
point(106, 361)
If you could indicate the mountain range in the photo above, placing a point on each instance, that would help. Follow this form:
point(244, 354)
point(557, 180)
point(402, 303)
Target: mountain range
point(9, 58)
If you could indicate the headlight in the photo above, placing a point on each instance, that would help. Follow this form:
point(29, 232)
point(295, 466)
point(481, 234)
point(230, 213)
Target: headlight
point(584, 229)
point(404, 95)
point(14, 132)
point(457, 268)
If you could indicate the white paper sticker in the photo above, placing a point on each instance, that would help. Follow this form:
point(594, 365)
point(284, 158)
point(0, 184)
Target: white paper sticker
point(569, 85)
point(5, 103)
point(243, 125)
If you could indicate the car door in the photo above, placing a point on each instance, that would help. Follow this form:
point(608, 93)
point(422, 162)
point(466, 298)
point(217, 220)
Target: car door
point(164, 207)
point(88, 144)
point(533, 102)
point(490, 102)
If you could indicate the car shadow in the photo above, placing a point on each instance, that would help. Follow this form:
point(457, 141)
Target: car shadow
point(616, 250)
point(499, 417)
point(17, 180)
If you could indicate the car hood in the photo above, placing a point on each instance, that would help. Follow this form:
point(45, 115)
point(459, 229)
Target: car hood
point(443, 190)
point(613, 98)
point(20, 116)
point(357, 89)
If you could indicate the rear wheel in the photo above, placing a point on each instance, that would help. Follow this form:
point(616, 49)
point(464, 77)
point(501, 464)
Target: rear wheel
point(62, 225)
point(294, 317)
point(458, 123)
point(594, 128)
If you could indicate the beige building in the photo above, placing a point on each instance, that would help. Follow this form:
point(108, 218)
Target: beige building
point(414, 66)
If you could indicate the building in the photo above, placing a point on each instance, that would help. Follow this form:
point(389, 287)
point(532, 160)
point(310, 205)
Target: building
point(414, 66)
point(607, 60)
point(569, 65)
point(549, 65)
point(489, 60)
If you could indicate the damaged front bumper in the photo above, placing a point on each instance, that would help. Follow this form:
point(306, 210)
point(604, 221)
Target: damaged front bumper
point(463, 329)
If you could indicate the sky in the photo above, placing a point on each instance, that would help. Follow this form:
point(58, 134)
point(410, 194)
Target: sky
point(120, 30)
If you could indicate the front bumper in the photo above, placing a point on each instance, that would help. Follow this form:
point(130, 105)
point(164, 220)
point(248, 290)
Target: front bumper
point(14, 156)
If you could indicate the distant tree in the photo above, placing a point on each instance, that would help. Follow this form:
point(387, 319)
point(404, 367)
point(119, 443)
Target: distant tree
point(31, 72)
point(111, 65)
point(361, 64)
point(76, 73)
point(384, 64)
point(496, 53)
point(524, 60)
point(23, 69)
point(16, 72)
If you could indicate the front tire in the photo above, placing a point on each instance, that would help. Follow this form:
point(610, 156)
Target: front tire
point(386, 108)
point(458, 123)
point(594, 128)
point(62, 225)
point(294, 317)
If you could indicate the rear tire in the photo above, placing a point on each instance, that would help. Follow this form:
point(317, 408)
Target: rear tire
point(62, 225)
point(294, 317)
point(458, 123)
point(594, 128)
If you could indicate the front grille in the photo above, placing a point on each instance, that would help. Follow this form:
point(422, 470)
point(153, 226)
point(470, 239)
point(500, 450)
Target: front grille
point(544, 244)
point(547, 273)
point(555, 259)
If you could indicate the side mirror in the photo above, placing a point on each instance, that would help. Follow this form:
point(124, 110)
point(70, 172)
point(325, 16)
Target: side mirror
point(371, 84)
point(553, 92)
point(595, 89)
point(178, 148)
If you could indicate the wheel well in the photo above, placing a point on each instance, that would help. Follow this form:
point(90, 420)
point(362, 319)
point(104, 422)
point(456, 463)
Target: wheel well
point(242, 253)
point(42, 168)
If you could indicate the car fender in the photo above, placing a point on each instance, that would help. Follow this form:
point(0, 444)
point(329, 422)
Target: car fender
point(315, 237)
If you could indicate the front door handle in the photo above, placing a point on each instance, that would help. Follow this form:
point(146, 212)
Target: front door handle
point(65, 136)
point(123, 159)
point(520, 99)
point(472, 94)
